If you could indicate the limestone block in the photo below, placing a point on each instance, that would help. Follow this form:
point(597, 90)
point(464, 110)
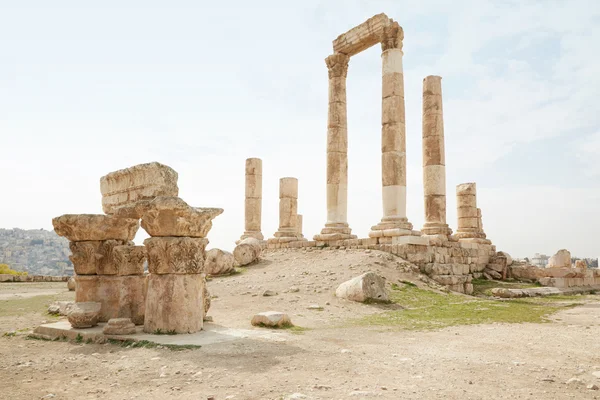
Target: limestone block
point(174, 303)
point(363, 36)
point(509, 259)
point(71, 284)
point(288, 210)
point(247, 251)
point(366, 287)
point(171, 216)
point(433, 151)
point(466, 212)
point(60, 307)
point(337, 139)
point(562, 258)
point(337, 168)
point(119, 296)
point(466, 189)
point(84, 314)
point(85, 227)
point(392, 138)
point(140, 182)
point(337, 115)
point(91, 257)
point(466, 201)
point(581, 264)
point(393, 170)
point(253, 166)
point(218, 262)
point(434, 180)
point(253, 186)
point(433, 125)
point(126, 260)
point(6, 278)
point(392, 110)
point(391, 63)
point(393, 84)
point(253, 214)
point(119, 326)
point(468, 223)
point(435, 208)
point(271, 319)
point(337, 89)
point(175, 255)
point(134, 210)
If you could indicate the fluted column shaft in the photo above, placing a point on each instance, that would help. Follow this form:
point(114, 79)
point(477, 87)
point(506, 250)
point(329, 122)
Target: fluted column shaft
point(253, 201)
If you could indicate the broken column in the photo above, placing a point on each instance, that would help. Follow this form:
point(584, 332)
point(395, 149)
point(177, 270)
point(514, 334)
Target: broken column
point(469, 218)
point(109, 268)
point(176, 253)
point(336, 227)
point(299, 225)
point(393, 138)
point(288, 210)
point(253, 202)
point(434, 160)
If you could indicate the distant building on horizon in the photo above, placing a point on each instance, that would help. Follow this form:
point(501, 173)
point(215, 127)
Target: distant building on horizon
point(540, 260)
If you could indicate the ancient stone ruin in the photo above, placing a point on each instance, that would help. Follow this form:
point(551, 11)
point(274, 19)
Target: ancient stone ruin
point(109, 268)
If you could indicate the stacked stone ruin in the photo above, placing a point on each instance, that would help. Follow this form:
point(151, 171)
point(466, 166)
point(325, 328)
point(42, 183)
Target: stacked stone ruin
point(451, 260)
point(109, 268)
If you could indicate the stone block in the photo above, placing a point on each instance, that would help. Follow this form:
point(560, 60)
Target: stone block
point(120, 296)
point(176, 255)
point(413, 240)
point(392, 84)
point(434, 152)
point(124, 260)
point(171, 216)
point(88, 227)
point(466, 189)
point(366, 287)
point(84, 314)
point(392, 110)
point(140, 182)
point(119, 326)
point(7, 278)
point(174, 303)
point(363, 36)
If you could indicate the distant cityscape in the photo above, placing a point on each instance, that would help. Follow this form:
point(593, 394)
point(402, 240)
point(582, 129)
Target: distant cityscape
point(35, 251)
point(541, 260)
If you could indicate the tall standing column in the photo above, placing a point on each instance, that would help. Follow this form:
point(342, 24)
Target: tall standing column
point(469, 216)
point(393, 138)
point(434, 159)
point(288, 208)
point(336, 227)
point(253, 202)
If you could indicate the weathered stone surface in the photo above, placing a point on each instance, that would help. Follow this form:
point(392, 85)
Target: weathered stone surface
point(363, 36)
point(60, 307)
point(247, 251)
point(562, 258)
point(528, 272)
point(206, 298)
point(7, 278)
point(366, 287)
point(120, 296)
point(84, 314)
point(218, 262)
point(91, 257)
point(126, 260)
point(174, 303)
point(253, 201)
point(71, 284)
point(171, 216)
point(119, 326)
point(141, 182)
point(509, 259)
point(581, 264)
point(271, 319)
point(85, 227)
point(175, 255)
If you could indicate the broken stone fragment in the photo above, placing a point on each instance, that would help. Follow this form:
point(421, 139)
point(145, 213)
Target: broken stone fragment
point(562, 258)
point(368, 286)
point(206, 299)
point(171, 216)
point(126, 187)
point(84, 315)
point(119, 326)
point(272, 319)
point(247, 251)
point(218, 262)
point(71, 285)
point(175, 255)
point(86, 227)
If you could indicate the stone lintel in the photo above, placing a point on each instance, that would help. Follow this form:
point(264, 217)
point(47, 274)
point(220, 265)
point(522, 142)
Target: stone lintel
point(363, 36)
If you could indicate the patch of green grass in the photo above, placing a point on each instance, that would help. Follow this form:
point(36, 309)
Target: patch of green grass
point(160, 332)
point(79, 338)
point(426, 310)
point(35, 304)
point(151, 345)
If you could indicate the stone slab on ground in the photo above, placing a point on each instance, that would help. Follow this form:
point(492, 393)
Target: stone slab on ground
point(543, 291)
point(211, 334)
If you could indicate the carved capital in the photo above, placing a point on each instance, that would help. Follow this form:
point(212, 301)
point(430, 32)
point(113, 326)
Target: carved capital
point(392, 37)
point(337, 65)
point(175, 255)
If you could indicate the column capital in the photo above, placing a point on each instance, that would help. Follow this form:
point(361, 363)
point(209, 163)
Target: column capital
point(337, 65)
point(392, 37)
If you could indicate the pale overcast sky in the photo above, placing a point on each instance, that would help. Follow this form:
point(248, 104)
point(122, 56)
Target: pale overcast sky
point(90, 87)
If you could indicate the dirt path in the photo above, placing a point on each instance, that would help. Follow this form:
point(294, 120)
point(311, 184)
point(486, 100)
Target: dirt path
point(331, 360)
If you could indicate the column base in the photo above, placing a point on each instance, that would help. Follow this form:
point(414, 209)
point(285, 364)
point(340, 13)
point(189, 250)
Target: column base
point(469, 235)
point(434, 228)
point(252, 234)
point(393, 226)
point(335, 231)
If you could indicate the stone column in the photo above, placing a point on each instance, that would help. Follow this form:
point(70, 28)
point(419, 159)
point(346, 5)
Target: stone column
point(393, 138)
point(288, 208)
point(299, 225)
point(253, 203)
point(434, 159)
point(469, 216)
point(336, 227)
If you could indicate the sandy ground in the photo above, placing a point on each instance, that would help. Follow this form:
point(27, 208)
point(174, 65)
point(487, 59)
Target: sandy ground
point(333, 359)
